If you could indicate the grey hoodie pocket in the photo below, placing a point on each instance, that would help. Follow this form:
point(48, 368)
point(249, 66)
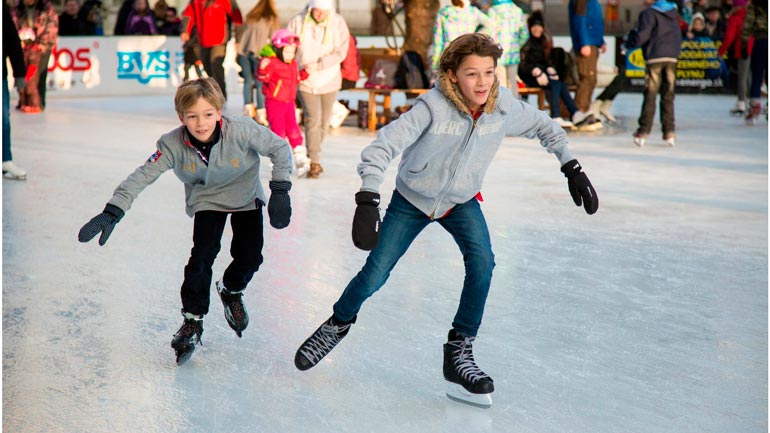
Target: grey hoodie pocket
point(419, 170)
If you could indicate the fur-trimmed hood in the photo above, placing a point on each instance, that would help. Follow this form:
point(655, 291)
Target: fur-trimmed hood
point(453, 94)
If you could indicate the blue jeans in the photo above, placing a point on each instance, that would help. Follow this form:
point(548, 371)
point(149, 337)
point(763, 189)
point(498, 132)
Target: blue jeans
point(6, 122)
point(559, 90)
point(401, 225)
point(249, 65)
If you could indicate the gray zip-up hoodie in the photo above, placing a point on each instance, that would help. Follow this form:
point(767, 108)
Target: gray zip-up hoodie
point(230, 181)
point(445, 152)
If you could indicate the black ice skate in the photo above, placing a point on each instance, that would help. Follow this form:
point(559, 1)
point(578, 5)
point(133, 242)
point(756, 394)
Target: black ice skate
point(187, 337)
point(321, 343)
point(235, 311)
point(473, 386)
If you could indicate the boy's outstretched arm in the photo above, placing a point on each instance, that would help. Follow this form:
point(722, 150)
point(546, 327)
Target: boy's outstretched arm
point(279, 152)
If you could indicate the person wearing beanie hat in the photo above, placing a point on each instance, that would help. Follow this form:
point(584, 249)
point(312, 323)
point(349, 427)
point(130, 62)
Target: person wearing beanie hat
point(324, 41)
point(326, 5)
point(741, 53)
point(538, 70)
point(697, 27)
point(510, 31)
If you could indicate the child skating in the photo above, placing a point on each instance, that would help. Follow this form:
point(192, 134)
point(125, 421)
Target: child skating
point(446, 141)
point(217, 158)
point(280, 74)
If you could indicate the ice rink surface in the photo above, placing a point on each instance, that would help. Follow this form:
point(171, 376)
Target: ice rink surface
point(650, 316)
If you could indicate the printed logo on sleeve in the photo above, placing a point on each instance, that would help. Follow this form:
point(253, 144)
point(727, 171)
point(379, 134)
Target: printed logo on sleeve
point(155, 156)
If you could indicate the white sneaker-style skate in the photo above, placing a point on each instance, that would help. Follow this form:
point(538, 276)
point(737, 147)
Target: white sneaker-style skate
point(301, 161)
point(670, 140)
point(564, 123)
point(468, 384)
point(604, 110)
point(13, 171)
point(640, 140)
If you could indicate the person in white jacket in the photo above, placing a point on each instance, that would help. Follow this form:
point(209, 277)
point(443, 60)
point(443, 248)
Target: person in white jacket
point(324, 39)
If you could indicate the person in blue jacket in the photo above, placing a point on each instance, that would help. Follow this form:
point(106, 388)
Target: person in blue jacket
point(447, 140)
point(586, 28)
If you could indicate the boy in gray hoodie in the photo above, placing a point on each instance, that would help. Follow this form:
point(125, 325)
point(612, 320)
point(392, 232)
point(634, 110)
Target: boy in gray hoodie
point(447, 141)
point(217, 158)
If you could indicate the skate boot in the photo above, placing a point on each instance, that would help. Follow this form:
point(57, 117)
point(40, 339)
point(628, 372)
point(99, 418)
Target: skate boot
point(13, 171)
point(754, 112)
point(640, 139)
point(670, 139)
point(249, 111)
point(604, 110)
point(301, 161)
point(187, 337)
point(315, 170)
point(473, 386)
point(321, 342)
point(235, 311)
point(261, 117)
point(739, 110)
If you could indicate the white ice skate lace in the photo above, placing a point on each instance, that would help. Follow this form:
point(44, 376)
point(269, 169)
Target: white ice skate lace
point(464, 361)
point(323, 341)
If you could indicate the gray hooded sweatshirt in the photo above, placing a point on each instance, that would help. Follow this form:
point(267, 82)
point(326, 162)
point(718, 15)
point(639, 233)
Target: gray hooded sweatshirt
point(445, 152)
point(230, 181)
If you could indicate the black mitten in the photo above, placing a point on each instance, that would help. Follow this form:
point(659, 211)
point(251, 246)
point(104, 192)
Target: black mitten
point(366, 221)
point(580, 187)
point(104, 223)
point(279, 205)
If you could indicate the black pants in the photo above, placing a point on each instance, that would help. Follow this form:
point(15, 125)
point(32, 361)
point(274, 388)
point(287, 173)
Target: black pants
point(245, 249)
point(213, 59)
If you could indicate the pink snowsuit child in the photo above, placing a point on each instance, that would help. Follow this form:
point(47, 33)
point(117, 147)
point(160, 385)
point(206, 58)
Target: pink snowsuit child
point(280, 75)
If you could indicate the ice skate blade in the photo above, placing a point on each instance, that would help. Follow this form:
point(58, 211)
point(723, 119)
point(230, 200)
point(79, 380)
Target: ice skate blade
point(461, 395)
point(183, 357)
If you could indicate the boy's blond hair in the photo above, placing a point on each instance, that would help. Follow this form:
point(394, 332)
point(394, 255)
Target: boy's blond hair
point(189, 92)
point(470, 43)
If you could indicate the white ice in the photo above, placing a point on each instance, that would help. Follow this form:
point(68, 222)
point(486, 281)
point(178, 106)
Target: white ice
point(650, 316)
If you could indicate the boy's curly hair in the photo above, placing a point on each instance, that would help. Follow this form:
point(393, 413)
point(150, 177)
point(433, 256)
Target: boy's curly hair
point(470, 43)
point(188, 93)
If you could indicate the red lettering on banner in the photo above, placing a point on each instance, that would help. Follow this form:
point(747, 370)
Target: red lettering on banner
point(66, 60)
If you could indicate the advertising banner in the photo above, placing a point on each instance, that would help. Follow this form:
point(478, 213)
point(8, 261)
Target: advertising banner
point(129, 65)
point(699, 67)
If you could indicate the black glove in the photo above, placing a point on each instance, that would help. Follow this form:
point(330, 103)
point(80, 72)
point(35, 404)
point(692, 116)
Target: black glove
point(580, 187)
point(366, 221)
point(279, 205)
point(104, 223)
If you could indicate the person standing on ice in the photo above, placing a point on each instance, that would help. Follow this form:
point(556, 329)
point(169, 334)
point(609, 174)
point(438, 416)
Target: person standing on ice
point(280, 75)
point(218, 159)
point(447, 141)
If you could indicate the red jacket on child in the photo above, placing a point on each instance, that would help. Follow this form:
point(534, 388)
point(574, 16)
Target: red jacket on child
point(280, 79)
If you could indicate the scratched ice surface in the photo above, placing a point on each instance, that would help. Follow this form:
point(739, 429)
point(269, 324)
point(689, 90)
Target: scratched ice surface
point(650, 316)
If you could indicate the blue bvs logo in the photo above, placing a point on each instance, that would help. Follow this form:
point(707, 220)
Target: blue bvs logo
point(143, 67)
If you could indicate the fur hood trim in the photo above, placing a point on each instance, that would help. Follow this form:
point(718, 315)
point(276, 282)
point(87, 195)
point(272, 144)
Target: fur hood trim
point(452, 92)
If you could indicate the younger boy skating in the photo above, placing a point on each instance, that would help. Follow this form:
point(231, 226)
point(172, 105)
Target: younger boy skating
point(447, 141)
point(218, 159)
